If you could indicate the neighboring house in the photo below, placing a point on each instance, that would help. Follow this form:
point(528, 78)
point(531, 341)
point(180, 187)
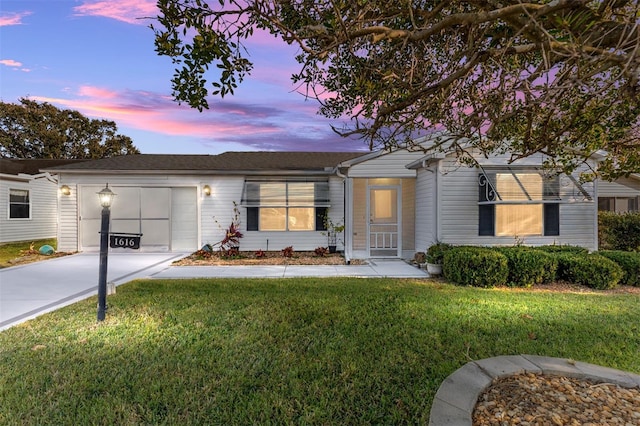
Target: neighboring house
point(621, 196)
point(28, 200)
point(393, 204)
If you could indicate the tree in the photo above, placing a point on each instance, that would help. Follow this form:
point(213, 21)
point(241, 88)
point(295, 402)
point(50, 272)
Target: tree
point(555, 77)
point(40, 130)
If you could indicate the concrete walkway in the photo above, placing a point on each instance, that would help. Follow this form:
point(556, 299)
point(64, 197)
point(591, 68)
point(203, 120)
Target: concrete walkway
point(374, 268)
point(27, 291)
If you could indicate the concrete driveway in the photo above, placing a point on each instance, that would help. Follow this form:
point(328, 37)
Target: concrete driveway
point(30, 290)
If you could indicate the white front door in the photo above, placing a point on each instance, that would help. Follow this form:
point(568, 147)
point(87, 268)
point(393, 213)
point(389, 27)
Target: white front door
point(384, 221)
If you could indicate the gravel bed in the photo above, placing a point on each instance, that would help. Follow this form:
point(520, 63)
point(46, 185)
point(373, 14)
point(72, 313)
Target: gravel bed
point(537, 400)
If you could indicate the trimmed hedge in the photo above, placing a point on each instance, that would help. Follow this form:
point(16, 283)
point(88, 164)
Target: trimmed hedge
point(591, 270)
point(619, 231)
point(629, 262)
point(528, 266)
point(563, 249)
point(475, 266)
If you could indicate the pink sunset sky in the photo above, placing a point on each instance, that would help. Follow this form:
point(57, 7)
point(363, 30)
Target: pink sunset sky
point(98, 57)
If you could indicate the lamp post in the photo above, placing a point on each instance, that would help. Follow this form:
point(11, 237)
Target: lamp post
point(106, 196)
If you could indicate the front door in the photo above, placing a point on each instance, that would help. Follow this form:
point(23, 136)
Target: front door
point(384, 221)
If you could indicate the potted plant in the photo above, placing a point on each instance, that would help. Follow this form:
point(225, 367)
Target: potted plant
point(333, 230)
point(435, 254)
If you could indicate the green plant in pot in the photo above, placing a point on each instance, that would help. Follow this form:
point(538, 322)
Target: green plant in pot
point(333, 230)
point(435, 254)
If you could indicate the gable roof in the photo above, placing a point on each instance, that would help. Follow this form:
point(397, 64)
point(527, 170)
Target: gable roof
point(14, 166)
point(228, 162)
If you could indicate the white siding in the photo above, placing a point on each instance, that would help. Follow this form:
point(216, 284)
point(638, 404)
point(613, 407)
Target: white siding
point(215, 212)
point(43, 196)
point(426, 204)
point(623, 187)
point(459, 210)
point(387, 165)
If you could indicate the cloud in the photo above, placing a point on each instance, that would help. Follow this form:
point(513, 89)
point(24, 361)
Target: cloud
point(10, 63)
point(128, 11)
point(278, 126)
point(12, 18)
point(14, 64)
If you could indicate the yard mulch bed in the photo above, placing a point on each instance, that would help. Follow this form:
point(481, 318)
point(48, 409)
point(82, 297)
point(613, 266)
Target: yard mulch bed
point(217, 258)
point(534, 399)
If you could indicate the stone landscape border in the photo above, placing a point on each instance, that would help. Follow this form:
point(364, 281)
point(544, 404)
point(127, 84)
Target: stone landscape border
point(457, 396)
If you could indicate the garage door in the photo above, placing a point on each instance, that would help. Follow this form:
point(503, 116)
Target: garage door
point(134, 210)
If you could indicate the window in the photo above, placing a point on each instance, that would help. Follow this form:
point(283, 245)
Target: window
point(19, 204)
point(518, 203)
point(618, 204)
point(294, 205)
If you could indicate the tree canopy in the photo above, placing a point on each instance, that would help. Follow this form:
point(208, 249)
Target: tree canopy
point(40, 130)
point(555, 77)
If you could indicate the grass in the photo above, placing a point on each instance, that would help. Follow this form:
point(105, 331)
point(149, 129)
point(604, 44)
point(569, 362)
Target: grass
point(10, 251)
point(289, 351)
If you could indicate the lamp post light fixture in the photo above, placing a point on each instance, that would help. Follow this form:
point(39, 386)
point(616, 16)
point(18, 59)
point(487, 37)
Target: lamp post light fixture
point(106, 197)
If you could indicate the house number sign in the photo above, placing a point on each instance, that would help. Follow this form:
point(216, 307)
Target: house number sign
point(125, 241)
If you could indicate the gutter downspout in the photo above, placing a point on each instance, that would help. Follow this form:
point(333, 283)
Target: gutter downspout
point(596, 243)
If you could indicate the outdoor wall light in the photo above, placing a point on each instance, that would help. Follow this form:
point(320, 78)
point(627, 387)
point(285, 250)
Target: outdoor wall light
point(206, 190)
point(65, 190)
point(106, 196)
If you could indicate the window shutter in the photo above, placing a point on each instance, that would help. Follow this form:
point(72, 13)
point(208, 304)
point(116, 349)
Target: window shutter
point(486, 219)
point(252, 218)
point(551, 219)
point(321, 213)
point(486, 213)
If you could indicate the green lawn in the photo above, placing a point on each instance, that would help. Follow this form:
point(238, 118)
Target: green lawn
point(295, 351)
point(10, 251)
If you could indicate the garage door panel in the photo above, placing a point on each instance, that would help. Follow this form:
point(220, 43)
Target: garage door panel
point(128, 226)
point(184, 219)
point(155, 233)
point(126, 203)
point(154, 203)
point(90, 207)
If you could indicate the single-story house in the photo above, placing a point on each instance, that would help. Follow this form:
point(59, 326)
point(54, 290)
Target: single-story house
point(28, 199)
point(392, 203)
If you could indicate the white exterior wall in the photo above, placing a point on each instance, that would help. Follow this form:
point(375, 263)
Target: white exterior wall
point(390, 165)
point(623, 187)
point(215, 212)
point(426, 207)
point(458, 215)
point(44, 204)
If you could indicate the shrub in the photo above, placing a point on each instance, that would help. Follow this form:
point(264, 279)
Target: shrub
point(629, 262)
point(287, 251)
point(528, 266)
point(435, 253)
point(475, 266)
point(563, 249)
point(321, 251)
point(591, 270)
point(619, 231)
point(260, 254)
